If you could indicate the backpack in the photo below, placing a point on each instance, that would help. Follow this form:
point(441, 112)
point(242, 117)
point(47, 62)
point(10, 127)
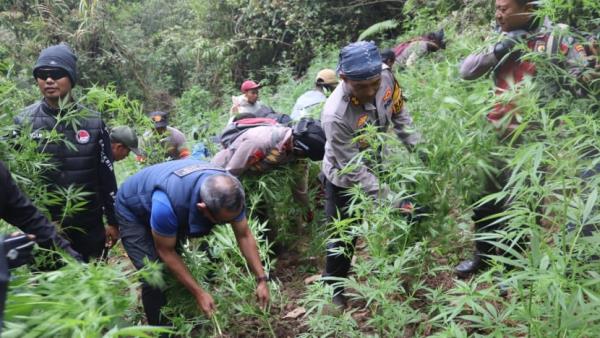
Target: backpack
point(240, 126)
point(399, 49)
point(266, 112)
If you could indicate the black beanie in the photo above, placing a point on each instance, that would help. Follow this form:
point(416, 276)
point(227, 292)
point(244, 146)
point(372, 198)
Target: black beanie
point(309, 132)
point(59, 56)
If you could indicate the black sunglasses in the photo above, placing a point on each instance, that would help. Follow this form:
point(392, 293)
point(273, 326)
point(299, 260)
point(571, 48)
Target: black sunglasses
point(54, 73)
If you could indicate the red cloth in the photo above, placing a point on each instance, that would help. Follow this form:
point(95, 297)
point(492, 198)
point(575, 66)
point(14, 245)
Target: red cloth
point(400, 48)
point(256, 120)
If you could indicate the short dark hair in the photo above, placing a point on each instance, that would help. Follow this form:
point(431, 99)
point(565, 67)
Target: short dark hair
point(534, 3)
point(222, 192)
point(388, 54)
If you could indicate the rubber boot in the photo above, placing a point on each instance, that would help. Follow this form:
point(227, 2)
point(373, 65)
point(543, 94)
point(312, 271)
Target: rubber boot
point(470, 266)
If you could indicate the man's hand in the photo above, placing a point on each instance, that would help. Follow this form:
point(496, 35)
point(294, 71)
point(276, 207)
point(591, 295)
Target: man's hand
point(262, 294)
point(206, 303)
point(248, 247)
point(112, 235)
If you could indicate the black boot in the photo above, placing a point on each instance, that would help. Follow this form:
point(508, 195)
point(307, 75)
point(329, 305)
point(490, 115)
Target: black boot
point(340, 301)
point(470, 266)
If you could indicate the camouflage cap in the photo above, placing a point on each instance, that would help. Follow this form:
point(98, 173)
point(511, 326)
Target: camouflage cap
point(125, 136)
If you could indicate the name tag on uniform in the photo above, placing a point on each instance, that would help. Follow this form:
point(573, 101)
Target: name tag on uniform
point(194, 168)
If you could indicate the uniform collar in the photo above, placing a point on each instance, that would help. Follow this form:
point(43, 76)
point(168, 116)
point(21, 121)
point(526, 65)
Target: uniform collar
point(349, 98)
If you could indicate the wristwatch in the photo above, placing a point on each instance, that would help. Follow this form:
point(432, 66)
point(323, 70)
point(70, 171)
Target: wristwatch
point(264, 278)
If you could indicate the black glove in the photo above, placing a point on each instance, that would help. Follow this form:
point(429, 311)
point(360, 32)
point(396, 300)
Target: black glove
point(512, 38)
point(18, 250)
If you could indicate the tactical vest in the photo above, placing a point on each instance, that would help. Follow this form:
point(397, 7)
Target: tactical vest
point(181, 181)
point(513, 70)
point(76, 156)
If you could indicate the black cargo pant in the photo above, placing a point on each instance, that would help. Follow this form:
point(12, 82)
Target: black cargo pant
point(483, 214)
point(139, 245)
point(85, 231)
point(4, 279)
point(336, 204)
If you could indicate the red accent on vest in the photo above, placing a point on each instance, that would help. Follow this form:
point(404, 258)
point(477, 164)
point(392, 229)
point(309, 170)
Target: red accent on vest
point(400, 48)
point(256, 120)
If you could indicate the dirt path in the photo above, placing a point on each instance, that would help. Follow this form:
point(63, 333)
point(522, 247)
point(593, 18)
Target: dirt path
point(289, 272)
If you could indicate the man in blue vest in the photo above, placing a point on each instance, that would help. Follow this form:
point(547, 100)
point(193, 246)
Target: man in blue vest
point(170, 201)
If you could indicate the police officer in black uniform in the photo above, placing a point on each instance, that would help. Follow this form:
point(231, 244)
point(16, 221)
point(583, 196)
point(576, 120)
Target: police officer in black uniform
point(16, 209)
point(83, 158)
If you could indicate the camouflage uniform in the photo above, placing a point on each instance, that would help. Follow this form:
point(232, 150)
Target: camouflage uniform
point(508, 74)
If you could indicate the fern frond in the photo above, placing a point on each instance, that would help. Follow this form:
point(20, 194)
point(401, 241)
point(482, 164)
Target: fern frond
point(378, 28)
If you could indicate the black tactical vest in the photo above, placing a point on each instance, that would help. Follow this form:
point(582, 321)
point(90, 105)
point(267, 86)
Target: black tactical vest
point(76, 157)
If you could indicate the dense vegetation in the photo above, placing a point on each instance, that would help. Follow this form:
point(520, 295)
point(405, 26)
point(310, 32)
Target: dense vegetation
point(189, 56)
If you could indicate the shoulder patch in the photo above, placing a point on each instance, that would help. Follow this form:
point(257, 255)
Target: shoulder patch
point(388, 94)
point(82, 136)
point(564, 48)
point(255, 158)
point(397, 99)
point(540, 48)
point(362, 120)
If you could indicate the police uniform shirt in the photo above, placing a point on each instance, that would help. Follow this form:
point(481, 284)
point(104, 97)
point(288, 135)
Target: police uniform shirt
point(342, 119)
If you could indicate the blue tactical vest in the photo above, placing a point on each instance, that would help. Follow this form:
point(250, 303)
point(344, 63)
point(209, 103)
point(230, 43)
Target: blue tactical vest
point(181, 181)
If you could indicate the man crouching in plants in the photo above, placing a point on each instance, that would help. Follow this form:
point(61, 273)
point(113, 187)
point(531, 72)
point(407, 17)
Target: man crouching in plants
point(369, 94)
point(168, 202)
point(267, 145)
point(518, 24)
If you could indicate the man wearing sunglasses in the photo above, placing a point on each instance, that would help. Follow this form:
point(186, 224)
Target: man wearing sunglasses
point(82, 158)
point(168, 202)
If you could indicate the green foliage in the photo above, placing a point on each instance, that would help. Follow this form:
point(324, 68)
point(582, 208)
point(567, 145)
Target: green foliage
point(378, 28)
point(154, 52)
point(218, 265)
point(402, 276)
point(577, 13)
point(91, 300)
point(402, 282)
